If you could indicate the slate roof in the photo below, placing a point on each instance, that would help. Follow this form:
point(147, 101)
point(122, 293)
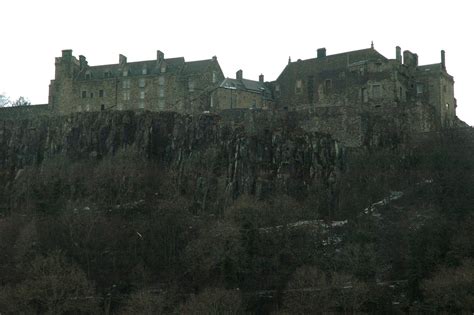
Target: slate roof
point(173, 65)
point(246, 85)
point(429, 68)
point(197, 67)
point(337, 61)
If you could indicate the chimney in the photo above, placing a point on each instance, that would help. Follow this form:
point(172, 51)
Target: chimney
point(214, 58)
point(261, 78)
point(410, 59)
point(239, 75)
point(321, 52)
point(82, 62)
point(398, 54)
point(443, 59)
point(122, 59)
point(67, 53)
point(160, 56)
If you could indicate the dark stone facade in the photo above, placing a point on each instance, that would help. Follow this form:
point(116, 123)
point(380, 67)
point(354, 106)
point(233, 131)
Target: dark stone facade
point(350, 95)
point(336, 92)
point(171, 84)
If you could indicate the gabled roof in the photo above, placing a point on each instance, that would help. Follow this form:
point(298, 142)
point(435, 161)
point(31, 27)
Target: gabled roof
point(247, 85)
point(243, 84)
point(337, 61)
point(197, 67)
point(173, 65)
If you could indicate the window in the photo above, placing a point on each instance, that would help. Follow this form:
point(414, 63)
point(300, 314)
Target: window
point(163, 68)
point(126, 95)
point(126, 84)
point(92, 94)
point(125, 73)
point(447, 106)
point(141, 82)
point(101, 93)
point(327, 85)
point(107, 74)
point(142, 95)
point(88, 108)
point(161, 104)
point(376, 91)
point(277, 88)
point(102, 107)
point(444, 88)
point(401, 93)
point(88, 75)
point(144, 71)
point(191, 86)
point(214, 77)
point(161, 80)
point(162, 92)
point(298, 86)
point(364, 95)
point(419, 88)
point(141, 104)
point(84, 94)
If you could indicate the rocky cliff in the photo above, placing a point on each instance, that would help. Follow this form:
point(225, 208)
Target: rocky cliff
point(204, 153)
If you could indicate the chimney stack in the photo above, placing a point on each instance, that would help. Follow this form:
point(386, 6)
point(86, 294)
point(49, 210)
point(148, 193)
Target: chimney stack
point(239, 75)
point(443, 59)
point(122, 59)
point(321, 52)
point(399, 54)
point(261, 78)
point(82, 62)
point(67, 53)
point(160, 56)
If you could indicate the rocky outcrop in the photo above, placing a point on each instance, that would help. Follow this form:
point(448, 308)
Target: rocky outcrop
point(215, 157)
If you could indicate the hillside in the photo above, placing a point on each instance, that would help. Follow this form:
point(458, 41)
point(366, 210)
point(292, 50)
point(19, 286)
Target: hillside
point(127, 212)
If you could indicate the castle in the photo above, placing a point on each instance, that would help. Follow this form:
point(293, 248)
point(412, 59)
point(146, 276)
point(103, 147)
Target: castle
point(330, 93)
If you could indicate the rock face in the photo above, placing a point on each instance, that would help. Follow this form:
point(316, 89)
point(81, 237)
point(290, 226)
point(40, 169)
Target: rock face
point(211, 156)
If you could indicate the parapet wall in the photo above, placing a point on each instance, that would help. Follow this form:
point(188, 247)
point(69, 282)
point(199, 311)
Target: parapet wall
point(25, 112)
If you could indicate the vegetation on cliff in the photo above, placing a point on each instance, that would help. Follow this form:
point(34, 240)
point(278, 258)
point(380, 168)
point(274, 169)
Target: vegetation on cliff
point(160, 213)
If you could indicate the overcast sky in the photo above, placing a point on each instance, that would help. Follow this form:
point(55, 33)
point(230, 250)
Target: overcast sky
point(255, 36)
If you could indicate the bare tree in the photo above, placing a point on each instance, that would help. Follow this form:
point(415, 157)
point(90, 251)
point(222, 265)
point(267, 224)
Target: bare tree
point(4, 100)
point(21, 101)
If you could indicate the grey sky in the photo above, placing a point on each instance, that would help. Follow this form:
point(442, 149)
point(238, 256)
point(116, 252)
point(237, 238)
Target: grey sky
point(256, 36)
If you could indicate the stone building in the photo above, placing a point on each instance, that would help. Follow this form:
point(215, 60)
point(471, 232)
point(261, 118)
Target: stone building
point(157, 85)
point(366, 80)
point(355, 95)
point(240, 93)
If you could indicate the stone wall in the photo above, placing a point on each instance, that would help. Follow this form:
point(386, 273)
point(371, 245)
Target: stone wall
point(25, 112)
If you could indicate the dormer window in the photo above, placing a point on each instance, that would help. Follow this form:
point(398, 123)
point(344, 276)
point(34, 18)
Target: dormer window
point(88, 75)
point(125, 73)
point(144, 71)
point(191, 86)
point(163, 68)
